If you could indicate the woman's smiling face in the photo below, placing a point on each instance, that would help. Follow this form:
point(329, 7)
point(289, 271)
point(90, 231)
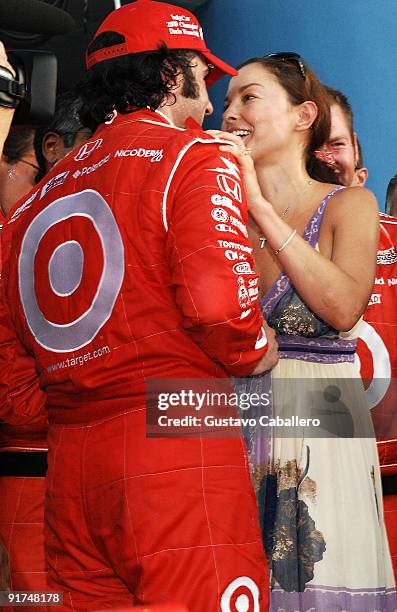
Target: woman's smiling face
point(258, 109)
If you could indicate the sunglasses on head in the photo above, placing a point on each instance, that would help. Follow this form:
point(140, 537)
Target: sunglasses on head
point(287, 56)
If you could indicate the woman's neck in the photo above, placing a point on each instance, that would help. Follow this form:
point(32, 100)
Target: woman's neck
point(283, 184)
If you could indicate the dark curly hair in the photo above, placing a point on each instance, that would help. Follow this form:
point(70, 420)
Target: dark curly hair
point(131, 82)
point(391, 188)
point(18, 142)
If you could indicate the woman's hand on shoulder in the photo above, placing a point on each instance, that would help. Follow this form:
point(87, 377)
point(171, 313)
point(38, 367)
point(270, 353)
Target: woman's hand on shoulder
point(235, 146)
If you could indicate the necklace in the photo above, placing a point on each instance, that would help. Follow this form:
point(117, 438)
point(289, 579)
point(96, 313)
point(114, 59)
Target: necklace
point(262, 238)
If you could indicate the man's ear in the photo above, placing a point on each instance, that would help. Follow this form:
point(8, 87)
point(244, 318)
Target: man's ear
point(51, 147)
point(361, 176)
point(307, 113)
point(169, 99)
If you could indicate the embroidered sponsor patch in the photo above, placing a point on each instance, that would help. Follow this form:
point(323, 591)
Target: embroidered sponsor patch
point(56, 181)
point(65, 271)
point(24, 206)
point(232, 255)
point(376, 298)
point(222, 227)
point(243, 268)
point(220, 215)
point(234, 245)
point(219, 200)
point(387, 257)
point(88, 148)
point(240, 225)
point(182, 24)
point(89, 169)
point(155, 155)
point(228, 185)
point(242, 292)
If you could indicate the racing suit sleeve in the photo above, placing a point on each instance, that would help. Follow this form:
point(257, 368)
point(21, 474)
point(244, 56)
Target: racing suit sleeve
point(377, 347)
point(22, 402)
point(211, 259)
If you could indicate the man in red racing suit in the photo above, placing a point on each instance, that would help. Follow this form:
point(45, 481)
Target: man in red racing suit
point(22, 444)
point(377, 351)
point(127, 265)
point(377, 343)
point(23, 417)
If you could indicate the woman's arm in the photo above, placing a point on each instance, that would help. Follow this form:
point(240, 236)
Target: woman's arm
point(336, 289)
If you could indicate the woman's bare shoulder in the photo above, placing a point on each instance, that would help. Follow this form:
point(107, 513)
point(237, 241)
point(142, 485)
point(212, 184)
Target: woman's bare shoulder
point(357, 203)
point(356, 196)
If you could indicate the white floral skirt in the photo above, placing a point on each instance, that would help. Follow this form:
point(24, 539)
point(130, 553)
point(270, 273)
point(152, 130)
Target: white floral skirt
point(319, 492)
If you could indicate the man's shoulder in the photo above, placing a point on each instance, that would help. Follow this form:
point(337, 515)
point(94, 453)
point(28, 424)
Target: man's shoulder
point(177, 137)
point(387, 254)
point(387, 220)
point(389, 227)
point(147, 131)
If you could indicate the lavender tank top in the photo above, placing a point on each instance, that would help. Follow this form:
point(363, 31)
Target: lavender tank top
point(300, 333)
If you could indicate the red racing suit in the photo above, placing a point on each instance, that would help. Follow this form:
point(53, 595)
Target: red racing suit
point(131, 262)
point(23, 448)
point(377, 351)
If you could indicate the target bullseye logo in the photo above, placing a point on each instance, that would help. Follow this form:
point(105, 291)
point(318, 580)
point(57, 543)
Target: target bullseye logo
point(241, 595)
point(65, 271)
point(72, 253)
point(381, 364)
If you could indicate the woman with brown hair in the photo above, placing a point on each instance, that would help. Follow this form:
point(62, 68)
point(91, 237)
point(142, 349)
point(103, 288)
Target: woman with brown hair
point(314, 243)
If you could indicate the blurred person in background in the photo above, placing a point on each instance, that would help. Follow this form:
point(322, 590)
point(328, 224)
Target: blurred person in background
point(377, 344)
point(18, 530)
point(6, 116)
point(360, 170)
point(18, 166)
point(343, 144)
point(27, 157)
point(391, 197)
point(65, 132)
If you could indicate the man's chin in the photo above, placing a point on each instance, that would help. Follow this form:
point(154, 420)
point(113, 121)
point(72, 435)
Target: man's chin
point(344, 177)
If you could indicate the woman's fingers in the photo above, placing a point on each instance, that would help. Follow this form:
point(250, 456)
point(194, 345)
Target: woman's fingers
point(235, 141)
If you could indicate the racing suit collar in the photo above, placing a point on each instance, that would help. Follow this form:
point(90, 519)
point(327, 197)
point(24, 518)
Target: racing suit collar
point(143, 114)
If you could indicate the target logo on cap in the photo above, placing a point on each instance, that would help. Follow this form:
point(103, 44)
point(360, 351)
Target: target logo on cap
point(68, 287)
point(241, 595)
